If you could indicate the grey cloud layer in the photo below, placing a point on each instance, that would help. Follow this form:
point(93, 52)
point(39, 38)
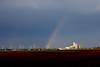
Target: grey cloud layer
point(85, 5)
point(39, 4)
point(71, 5)
point(37, 19)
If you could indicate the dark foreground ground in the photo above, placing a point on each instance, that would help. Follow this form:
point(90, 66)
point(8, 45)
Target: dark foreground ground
point(82, 58)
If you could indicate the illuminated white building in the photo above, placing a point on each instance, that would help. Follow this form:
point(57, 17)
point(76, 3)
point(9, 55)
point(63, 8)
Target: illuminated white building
point(67, 48)
point(73, 46)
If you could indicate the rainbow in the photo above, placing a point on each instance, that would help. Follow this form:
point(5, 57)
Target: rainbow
point(54, 32)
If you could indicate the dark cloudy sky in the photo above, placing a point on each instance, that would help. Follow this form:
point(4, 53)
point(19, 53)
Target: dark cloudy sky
point(29, 22)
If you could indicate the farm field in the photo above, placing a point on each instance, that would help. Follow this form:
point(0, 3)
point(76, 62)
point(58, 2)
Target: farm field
point(76, 58)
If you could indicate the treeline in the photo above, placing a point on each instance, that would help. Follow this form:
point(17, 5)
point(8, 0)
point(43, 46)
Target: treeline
point(92, 48)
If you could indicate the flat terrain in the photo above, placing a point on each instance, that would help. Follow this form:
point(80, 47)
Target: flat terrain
point(76, 58)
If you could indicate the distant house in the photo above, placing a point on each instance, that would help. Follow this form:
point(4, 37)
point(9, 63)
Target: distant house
point(73, 46)
point(67, 48)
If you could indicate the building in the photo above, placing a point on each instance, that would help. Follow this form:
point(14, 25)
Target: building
point(67, 48)
point(73, 46)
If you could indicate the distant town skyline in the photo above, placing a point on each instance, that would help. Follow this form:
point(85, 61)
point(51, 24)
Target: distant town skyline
point(29, 22)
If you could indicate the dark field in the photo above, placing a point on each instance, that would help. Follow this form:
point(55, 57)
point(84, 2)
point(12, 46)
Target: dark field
point(77, 58)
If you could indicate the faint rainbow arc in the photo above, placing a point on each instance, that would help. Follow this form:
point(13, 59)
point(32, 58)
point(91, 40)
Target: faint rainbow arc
point(54, 32)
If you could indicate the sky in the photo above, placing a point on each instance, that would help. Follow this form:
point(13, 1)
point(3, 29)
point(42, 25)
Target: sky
point(32, 22)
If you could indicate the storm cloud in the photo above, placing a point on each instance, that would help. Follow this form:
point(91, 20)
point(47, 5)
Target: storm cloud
point(33, 21)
